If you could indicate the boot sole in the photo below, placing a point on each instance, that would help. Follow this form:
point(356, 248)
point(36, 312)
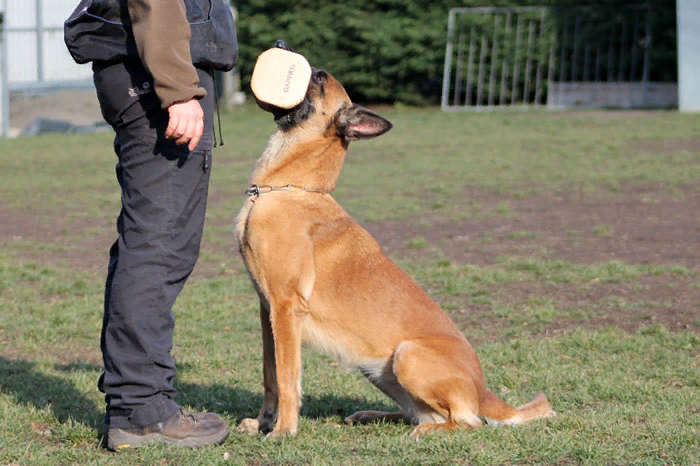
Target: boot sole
point(117, 439)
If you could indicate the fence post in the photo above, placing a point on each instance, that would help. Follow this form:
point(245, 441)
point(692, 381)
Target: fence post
point(688, 12)
point(4, 75)
point(39, 40)
point(448, 61)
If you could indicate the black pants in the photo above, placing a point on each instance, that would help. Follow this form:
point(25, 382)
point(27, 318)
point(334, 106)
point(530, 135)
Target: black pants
point(164, 195)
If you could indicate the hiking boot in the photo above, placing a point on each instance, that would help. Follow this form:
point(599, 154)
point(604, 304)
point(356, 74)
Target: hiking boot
point(205, 416)
point(183, 429)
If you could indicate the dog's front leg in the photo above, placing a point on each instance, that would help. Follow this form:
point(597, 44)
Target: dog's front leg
point(268, 412)
point(285, 320)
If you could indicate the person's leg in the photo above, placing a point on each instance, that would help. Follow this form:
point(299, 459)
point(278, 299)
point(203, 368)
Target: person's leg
point(164, 193)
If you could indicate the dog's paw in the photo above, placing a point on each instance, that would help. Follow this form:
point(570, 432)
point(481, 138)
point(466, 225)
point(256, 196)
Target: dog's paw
point(418, 432)
point(248, 426)
point(276, 436)
point(267, 421)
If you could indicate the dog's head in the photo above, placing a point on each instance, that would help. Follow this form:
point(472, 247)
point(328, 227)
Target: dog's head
point(328, 111)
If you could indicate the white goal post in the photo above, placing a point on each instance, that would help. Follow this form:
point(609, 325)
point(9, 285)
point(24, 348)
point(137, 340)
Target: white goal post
point(534, 57)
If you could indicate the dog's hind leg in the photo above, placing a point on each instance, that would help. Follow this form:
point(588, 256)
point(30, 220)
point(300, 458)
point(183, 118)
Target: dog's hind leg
point(436, 373)
point(365, 417)
point(382, 376)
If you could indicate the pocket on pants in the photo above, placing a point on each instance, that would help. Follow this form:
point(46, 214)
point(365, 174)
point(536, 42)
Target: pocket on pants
point(128, 99)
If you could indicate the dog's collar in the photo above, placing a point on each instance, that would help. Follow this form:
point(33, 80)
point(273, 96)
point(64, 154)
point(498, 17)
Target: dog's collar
point(254, 191)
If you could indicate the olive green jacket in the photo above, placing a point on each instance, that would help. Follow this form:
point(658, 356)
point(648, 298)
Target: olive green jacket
point(162, 36)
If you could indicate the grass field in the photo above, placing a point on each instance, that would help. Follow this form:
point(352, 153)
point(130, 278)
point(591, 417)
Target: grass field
point(566, 246)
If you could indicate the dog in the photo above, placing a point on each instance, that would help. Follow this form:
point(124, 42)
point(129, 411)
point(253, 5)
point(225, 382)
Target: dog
point(324, 281)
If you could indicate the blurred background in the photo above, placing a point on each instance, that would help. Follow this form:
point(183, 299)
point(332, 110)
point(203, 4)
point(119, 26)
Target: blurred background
point(457, 54)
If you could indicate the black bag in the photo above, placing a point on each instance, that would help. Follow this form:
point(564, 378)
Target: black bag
point(100, 30)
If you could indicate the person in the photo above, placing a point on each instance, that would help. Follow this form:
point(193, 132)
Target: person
point(154, 81)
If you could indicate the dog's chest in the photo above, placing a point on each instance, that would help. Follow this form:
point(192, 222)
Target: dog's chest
point(246, 231)
point(242, 232)
point(241, 221)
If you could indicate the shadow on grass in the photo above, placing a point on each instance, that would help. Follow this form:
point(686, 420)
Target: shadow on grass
point(332, 405)
point(32, 387)
point(241, 403)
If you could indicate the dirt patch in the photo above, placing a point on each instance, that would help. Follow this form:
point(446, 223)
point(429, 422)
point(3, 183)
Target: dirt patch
point(56, 238)
point(665, 147)
point(640, 225)
point(636, 226)
point(669, 301)
point(83, 244)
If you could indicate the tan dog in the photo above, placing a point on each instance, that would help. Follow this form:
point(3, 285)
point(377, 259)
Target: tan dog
point(323, 280)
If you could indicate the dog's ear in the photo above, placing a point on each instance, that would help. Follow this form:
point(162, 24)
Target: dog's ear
point(357, 122)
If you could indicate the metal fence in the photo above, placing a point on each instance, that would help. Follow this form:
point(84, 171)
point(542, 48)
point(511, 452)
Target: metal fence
point(33, 56)
point(536, 56)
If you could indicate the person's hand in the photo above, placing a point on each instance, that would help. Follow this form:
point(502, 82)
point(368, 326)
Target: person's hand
point(186, 123)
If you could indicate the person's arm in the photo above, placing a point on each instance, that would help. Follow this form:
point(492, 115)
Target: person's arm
point(162, 36)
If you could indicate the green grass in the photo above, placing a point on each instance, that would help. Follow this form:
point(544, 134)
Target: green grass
point(522, 235)
point(603, 230)
point(622, 397)
point(454, 278)
point(416, 243)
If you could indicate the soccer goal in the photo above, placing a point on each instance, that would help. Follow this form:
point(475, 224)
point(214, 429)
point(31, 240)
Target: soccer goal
point(548, 57)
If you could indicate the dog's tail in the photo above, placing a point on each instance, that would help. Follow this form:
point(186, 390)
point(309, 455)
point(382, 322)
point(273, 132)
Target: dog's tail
point(495, 411)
